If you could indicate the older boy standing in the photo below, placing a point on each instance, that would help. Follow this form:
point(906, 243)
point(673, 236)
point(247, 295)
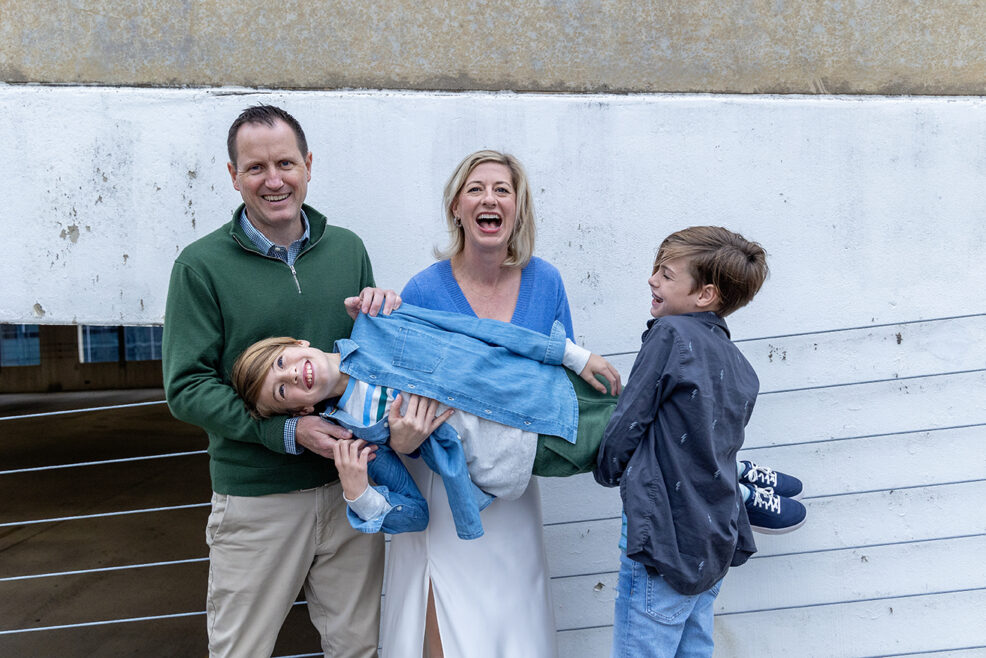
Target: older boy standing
point(671, 446)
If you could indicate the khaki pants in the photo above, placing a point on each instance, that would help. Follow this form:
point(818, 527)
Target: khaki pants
point(264, 548)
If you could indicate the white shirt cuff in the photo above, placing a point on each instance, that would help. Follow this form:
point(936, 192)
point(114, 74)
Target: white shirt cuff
point(575, 357)
point(369, 505)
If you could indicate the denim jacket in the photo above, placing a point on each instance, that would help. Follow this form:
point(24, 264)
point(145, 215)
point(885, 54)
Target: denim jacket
point(450, 358)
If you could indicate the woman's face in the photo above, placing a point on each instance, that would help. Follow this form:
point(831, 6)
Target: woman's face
point(487, 207)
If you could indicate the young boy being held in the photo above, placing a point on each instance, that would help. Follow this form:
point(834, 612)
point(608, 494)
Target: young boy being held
point(671, 446)
point(288, 376)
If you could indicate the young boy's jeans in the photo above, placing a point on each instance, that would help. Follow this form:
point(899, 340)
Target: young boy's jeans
point(653, 620)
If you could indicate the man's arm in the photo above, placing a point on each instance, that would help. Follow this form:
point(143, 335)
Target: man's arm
point(192, 349)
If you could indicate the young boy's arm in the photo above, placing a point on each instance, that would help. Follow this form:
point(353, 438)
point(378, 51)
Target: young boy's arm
point(649, 382)
point(588, 366)
point(399, 508)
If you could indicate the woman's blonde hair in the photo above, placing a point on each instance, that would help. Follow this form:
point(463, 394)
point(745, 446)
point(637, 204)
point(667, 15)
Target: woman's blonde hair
point(251, 368)
point(520, 248)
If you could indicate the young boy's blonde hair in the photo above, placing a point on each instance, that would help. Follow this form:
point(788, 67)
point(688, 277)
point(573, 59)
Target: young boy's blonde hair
point(734, 265)
point(251, 368)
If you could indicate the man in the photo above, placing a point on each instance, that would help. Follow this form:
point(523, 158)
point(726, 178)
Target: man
point(278, 517)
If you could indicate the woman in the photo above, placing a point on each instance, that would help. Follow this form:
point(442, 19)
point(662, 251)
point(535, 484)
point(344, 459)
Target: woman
point(489, 596)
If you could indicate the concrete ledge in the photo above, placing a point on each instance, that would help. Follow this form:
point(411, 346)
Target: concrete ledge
point(879, 47)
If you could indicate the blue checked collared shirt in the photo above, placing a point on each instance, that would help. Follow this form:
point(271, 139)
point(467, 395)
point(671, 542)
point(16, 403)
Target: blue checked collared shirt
point(288, 254)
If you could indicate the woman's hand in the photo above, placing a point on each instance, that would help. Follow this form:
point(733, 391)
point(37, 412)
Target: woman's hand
point(410, 429)
point(371, 301)
point(597, 365)
point(351, 458)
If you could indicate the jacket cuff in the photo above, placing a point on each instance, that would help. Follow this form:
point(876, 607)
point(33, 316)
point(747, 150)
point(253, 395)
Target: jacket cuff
point(556, 345)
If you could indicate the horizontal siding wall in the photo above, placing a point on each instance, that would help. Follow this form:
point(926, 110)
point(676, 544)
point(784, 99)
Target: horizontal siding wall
point(892, 451)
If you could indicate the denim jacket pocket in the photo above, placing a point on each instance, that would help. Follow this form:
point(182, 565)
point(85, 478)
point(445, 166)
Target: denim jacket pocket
point(418, 350)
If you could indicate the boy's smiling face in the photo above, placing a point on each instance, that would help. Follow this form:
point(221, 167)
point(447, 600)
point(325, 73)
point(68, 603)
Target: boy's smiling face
point(300, 377)
point(674, 290)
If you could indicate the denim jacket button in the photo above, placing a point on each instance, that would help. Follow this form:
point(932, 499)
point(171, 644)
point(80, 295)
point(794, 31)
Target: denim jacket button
point(487, 411)
point(386, 423)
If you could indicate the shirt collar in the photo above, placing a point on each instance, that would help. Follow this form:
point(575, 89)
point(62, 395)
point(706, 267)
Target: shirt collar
point(261, 242)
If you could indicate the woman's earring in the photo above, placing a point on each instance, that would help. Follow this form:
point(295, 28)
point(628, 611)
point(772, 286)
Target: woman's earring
point(458, 222)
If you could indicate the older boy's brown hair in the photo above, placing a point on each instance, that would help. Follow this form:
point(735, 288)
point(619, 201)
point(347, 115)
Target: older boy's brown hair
point(251, 368)
point(734, 265)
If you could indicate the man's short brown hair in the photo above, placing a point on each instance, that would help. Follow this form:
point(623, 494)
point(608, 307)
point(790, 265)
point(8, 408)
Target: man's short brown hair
point(734, 265)
point(267, 115)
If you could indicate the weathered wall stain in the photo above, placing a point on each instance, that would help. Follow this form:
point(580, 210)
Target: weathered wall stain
point(776, 351)
point(70, 233)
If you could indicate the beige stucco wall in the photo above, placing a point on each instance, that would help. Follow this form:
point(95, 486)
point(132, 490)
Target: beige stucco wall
point(746, 46)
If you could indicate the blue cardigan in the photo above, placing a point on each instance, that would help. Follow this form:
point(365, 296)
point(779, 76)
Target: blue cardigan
point(541, 300)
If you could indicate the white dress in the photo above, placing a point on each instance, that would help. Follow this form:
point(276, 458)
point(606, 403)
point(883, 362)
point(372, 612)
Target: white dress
point(492, 594)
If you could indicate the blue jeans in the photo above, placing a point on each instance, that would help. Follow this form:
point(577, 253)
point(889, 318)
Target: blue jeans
point(653, 620)
point(442, 452)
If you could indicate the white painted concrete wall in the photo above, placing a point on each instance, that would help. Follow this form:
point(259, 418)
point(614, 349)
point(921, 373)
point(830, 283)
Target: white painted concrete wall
point(870, 208)
point(866, 205)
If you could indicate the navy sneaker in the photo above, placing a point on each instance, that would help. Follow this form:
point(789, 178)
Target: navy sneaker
point(767, 478)
point(772, 514)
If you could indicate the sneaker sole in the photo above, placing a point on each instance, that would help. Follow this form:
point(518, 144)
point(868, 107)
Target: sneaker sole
point(778, 531)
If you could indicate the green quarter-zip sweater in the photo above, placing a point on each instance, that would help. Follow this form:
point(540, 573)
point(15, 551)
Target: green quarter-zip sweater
point(225, 295)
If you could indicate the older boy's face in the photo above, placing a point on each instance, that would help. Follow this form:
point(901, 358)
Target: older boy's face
point(299, 378)
point(673, 289)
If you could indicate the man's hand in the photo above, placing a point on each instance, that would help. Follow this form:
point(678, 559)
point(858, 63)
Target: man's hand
point(371, 301)
point(410, 429)
point(319, 435)
point(351, 458)
point(597, 365)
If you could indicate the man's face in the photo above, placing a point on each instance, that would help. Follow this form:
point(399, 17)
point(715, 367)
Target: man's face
point(272, 176)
